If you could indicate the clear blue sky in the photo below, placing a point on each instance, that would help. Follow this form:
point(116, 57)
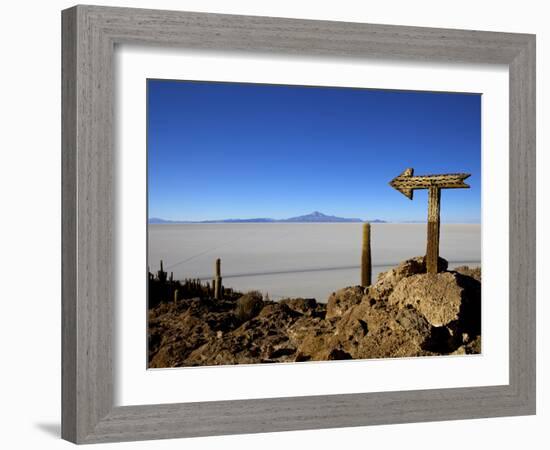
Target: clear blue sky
point(235, 150)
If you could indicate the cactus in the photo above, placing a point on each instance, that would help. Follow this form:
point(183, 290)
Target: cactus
point(366, 267)
point(176, 292)
point(161, 274)
point(218, 280)
point(171, 277)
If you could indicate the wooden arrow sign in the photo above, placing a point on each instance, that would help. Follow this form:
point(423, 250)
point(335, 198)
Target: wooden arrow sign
point(406, 183)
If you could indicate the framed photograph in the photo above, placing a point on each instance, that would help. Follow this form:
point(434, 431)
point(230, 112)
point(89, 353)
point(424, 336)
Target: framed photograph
point(278, 224)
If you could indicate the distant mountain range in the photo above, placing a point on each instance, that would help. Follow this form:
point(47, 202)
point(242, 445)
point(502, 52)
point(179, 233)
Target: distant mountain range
point(314, 217)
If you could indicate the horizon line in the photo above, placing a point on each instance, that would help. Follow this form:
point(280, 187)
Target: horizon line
point(267, 220)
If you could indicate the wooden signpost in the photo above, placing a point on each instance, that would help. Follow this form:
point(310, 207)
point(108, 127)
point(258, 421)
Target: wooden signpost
point(406, 183)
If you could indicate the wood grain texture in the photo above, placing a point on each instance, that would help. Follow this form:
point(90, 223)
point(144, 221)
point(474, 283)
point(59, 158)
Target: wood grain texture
point(406, 183)
point(89, 36)
point(88, 304)
point(522, 226)
point(432, 246)
point(69, 335)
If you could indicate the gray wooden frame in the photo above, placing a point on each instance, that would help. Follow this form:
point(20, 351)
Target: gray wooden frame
point(89, 36)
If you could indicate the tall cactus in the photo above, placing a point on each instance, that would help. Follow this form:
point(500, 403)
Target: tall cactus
point(161, 274)
point(218, 279)
point(366, 266)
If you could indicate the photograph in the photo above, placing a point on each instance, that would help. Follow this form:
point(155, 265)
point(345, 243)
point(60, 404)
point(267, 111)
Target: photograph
point(296, 224)
point(262, 225)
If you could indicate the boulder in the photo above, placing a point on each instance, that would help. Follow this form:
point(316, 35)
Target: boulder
point(370, 331)
point(249, 305)
point(315, 347)
point(272, 309)
point(340, 301)
point(387, 281)
point(438, 297)
point(301, 305)
point(353, 326)
point(367, 331)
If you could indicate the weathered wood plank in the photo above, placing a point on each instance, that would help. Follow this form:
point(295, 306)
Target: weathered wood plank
point(432, 246)
point(406, 183)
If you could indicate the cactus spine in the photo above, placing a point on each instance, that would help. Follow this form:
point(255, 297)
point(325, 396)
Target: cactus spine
point(218, 279)
point(366, 267)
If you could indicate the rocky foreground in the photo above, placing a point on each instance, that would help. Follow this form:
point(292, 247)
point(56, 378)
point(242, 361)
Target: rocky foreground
point(405, 313)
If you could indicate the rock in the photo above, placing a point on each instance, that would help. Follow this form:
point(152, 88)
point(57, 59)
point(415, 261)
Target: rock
point(474, 272)
point(410, 319)
point(405, 314)
point(315, 347)
point(249, 305)
point(301, 305)
point(179, 334)
point(353, 325)
point(459, 351)
point(305, 326)
point(340, 301)
point(387, 281)
point(442, 341)
point(338, 354)
point(474, 346)
point(274, 309)
point(437, 297)
point(384, 338)
point(367, 331)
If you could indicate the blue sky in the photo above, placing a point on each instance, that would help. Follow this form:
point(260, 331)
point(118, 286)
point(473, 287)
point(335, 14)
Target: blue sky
point(235, 150)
